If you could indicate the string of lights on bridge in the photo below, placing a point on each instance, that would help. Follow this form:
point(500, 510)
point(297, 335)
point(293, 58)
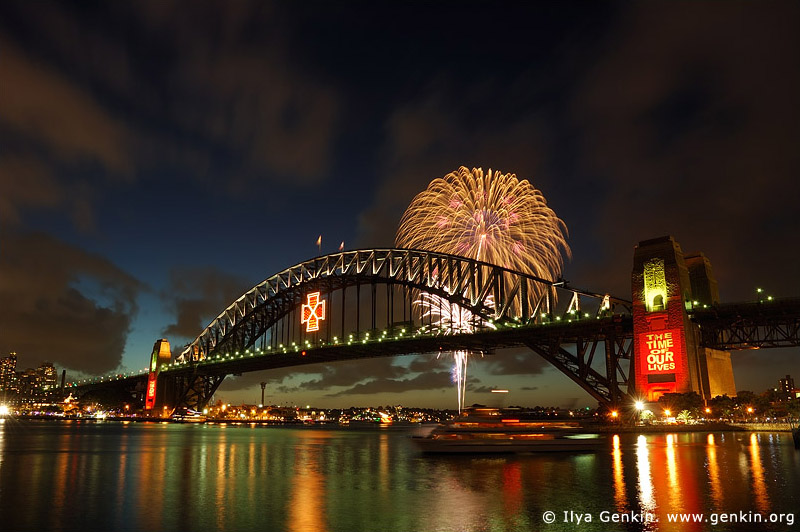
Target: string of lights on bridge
point(569, 317)
point(302, 348)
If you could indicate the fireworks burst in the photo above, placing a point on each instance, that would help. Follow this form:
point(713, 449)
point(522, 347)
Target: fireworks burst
point(492, 217)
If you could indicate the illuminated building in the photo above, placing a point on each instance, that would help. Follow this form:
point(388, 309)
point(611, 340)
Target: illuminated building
point(37, 385)
point(668, 358)
point(786, 388)
point(47, 376)
point(9, 384)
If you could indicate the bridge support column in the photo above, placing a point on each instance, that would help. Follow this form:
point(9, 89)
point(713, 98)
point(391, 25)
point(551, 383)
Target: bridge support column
point(155, 394)
point(668, 357)
point(194, 391)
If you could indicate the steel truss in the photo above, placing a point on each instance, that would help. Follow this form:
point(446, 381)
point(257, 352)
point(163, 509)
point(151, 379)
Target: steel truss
point(750, 326)
point(616, 339)
point(507, 309)
point(488, 291)
point(194, 391)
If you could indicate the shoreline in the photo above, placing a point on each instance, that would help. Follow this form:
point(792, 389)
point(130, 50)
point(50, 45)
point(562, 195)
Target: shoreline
point(590, 428)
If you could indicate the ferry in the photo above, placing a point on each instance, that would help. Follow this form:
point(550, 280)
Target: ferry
point(493, 431)
point(188, 416)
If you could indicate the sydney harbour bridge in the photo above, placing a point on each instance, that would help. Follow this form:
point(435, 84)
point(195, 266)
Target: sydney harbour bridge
point(672, 335)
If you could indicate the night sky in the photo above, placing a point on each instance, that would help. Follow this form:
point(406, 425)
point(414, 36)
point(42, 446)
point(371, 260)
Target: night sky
point(158, 159)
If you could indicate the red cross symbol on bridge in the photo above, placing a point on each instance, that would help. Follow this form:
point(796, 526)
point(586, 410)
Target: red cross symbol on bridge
point(313, 311)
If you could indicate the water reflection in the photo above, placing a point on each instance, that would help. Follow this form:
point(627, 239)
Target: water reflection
point(105, 476)
point(759, 486)
point(307, 505)
point(620, 498)
point(713, 474)
point(647, 500)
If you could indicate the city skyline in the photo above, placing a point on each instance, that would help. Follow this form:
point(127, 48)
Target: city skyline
point(155, 166)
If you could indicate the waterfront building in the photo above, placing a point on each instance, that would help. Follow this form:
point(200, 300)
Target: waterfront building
point(9, 384)
point(787, 389)
point(36, 385)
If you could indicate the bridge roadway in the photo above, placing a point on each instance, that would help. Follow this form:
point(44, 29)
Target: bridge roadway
point(753, 325)
point(549, 340)
point(486, 342)
point(737, 326)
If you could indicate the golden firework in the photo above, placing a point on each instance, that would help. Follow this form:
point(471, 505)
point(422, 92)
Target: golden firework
point(492, 217)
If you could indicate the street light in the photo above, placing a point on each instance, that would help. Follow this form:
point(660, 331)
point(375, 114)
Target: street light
point(639, 405)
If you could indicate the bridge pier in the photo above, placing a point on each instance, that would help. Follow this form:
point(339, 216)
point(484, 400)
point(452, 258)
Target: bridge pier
point(668, 355)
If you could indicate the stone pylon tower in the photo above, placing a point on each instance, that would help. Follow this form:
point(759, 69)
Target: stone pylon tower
point(668, 357)
point(160, 356)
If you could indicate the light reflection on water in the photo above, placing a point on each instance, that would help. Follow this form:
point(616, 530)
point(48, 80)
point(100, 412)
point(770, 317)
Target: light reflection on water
point(81, 476)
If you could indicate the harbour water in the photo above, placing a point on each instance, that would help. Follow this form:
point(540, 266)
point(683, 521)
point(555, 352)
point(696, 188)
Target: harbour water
point(151, 477)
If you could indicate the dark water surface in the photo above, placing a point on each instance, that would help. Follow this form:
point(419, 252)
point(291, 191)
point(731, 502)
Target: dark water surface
point(110, 476)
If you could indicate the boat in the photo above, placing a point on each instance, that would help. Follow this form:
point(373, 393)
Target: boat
point(492, 431)
point(188, 416)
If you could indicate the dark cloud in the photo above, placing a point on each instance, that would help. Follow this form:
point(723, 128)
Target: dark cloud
point(42, 105)
point(424, 363)
point(133, 90)
point(26, 183)
point(424, 381)
point(62, 304)
point(197, 296)
point(52, 129)
point(236, 89)
point(518, 361)
point(344, 373)
point(687, 120)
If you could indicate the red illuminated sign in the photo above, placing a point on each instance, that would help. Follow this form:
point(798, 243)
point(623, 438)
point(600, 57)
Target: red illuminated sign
point(660, 351)
point(313, 312)
point(150, 401)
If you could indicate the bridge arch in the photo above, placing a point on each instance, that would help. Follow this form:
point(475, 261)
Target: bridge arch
point(490, 294)
point(494, 301)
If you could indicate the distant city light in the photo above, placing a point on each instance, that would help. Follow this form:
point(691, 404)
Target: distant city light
point(499, 391)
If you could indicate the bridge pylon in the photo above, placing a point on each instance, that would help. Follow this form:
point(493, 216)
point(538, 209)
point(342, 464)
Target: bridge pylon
point(668, 354)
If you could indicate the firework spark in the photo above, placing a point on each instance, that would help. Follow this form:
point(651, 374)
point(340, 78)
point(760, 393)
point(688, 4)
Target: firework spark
point(450, 318)
point(492, 217)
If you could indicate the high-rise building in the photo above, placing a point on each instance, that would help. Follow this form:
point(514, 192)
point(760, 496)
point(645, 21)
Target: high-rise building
point(786, 388)
point(47, 376)
point(9, 383)
point(39, 384)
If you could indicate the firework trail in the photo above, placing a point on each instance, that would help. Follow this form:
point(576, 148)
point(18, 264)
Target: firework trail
point(452, 319)
point(492, 217)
